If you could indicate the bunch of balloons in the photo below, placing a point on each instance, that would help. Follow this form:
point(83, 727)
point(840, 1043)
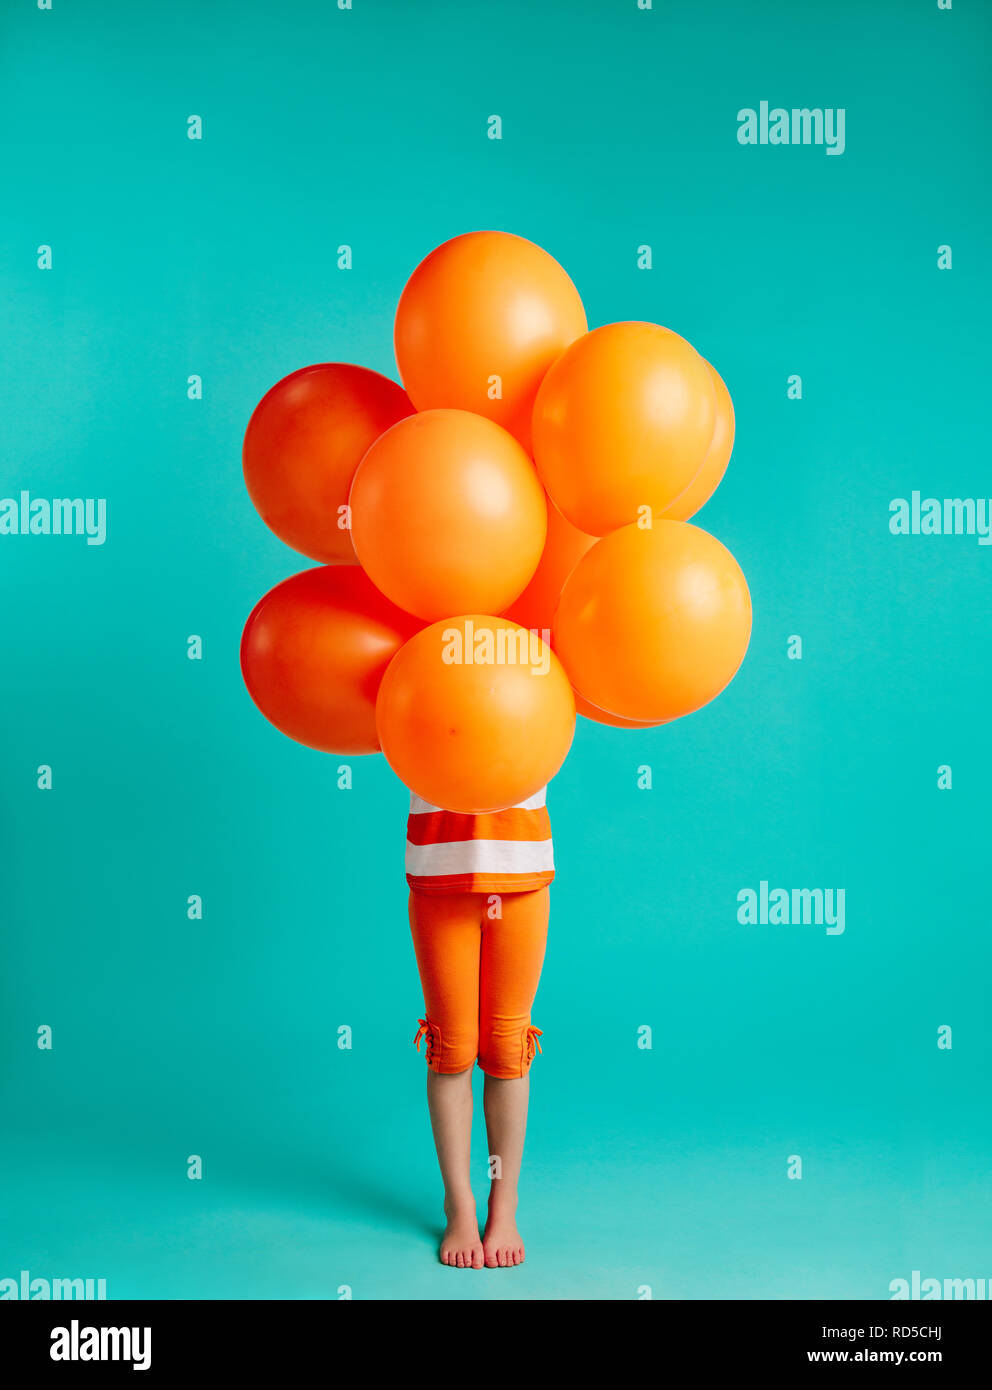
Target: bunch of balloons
point(502, 541)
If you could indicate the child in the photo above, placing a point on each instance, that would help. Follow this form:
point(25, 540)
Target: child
point(479, 918)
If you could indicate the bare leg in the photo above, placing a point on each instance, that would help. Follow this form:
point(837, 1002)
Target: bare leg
point(447, 937)
point(505, 1105)
point(512, 955)
point(449, 1099)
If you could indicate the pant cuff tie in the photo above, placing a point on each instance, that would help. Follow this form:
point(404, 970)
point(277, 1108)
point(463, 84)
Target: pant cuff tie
point(430, 1034)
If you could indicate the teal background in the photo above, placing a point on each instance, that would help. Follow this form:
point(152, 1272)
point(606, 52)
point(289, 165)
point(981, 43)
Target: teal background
point(664, 1168)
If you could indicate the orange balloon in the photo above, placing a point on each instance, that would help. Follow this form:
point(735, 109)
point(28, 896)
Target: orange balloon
point(447, 515)
point(304, 441)
point(601, 716)
point(652, 624)
point(622, 420)
point(483, 306)
point(563, 549)
point(707, 480)
point(313, 652)
point(475, 714)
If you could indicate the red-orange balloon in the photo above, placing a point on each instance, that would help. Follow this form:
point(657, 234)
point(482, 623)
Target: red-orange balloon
point(480, 322)
point(622, 421)
point(652, 624)
point(313, 652)
point(304, 441)
point(475, 714)
point(447, 515)
point(714, 465)
point(563, 549)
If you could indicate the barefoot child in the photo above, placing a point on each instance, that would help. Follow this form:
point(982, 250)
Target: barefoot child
point(479, 918)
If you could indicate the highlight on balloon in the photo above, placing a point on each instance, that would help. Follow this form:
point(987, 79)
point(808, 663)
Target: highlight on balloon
point(504, 539)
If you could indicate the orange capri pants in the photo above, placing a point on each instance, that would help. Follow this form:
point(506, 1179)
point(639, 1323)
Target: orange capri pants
point(479, 971)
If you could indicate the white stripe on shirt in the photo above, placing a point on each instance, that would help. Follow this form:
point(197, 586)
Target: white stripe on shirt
point(533, 803)
point(479, 856)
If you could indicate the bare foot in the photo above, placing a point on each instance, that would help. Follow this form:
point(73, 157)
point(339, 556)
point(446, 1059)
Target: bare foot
point(461, 1247)
point(501, 1243)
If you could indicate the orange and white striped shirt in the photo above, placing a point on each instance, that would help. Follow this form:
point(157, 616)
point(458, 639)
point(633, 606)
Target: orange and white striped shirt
point(498, 852)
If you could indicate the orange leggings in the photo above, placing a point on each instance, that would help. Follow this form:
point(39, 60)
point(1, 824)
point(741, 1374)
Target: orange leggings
point(479, 972)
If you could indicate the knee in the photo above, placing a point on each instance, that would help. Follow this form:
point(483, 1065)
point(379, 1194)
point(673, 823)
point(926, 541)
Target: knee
point(506, 1050)
point(448, 1050)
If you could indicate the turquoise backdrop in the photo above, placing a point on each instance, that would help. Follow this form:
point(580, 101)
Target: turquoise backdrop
point(662, 1169)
